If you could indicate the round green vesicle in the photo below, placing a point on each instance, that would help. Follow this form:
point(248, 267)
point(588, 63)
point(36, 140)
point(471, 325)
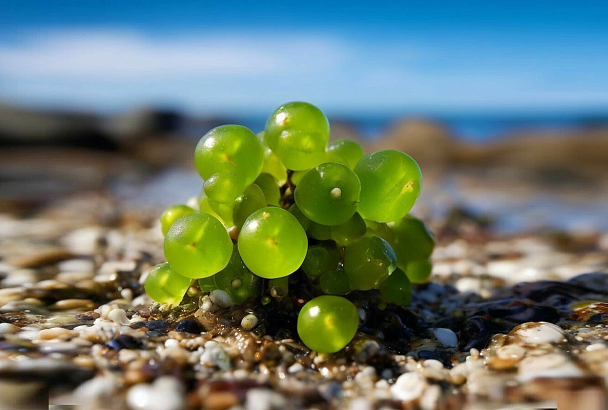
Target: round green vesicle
point(238, 281)
point(368, 261)
point(224, 187)
point(197, 246)
point(164, 285)
point(396, 289)
point(327, 324)
point(348, 151)
point(272, 243)
point(412, 240)
point(334, 282)
point(269, 186)
point(229, 149)
point(298, 133)
point(350, 230)
point(320, 258)
point(419, 271)
point(295, 211)
point(172, 214)
point(247, 203)
point(318, 231)
point(328, 194)
point(390, 184)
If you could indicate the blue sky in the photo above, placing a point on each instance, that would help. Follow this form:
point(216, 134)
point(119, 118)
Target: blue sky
point(248, 57)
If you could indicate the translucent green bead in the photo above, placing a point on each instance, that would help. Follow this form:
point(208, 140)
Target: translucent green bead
point(238, 281)
point(302, 219)
point(328, 194)
point(229, 149)
point(319, 232)
point(298, 133)
point(368, 261)
point(247, 203)
point(347, 151)
point(269, 186)
point(413, 241)
point(164, 285)
point(319, 259)
point(419, 271)
point(396, 289)
point(328, 323)
point(390, 184)
point(334, 282)
point(172, 214)
point(272, 243)
point(197, 246)
point(352, 229)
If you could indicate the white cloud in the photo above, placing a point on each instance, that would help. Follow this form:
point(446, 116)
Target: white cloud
point(115, 69)
point(127, 55)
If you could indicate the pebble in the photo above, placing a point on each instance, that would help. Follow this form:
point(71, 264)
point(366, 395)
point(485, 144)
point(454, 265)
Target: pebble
point(76, 265)
point(465, 285)
point(20, 277)
point(249, 322)
point(430, 398)
point(446, 337)
point(221, 298)
point(166, 393)
point(408, 387)
point(548, 365)
point(56, 333)
point(264, 399)
point(74, 277)
point(125, 342)
point(7, 328)
point(295, 368)
point(360, 404)
point(511, 352)
point(83, 241)
point(119, 316)
point(95, 391)
point(541, 332)
point(596, 346)
point(21, 305)
point(215, 355)
point(68, 304)
point(189, 325)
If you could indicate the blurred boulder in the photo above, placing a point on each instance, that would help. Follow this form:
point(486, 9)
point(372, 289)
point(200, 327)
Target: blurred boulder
point(428, 141)
point(28, 127)
point(143, 123)
point(342, 129)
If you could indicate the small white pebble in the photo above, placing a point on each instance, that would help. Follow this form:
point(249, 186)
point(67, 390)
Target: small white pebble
point(446, 337)
point(7, 328)
point(295, 368)
point(433, 364)
point(249, 322)
point(171, 343)
point(541, 332)
point(221, 298)
point(118, 316)
point(511, 352)
point(408, 387)
point(127, 294)
point(596, 346)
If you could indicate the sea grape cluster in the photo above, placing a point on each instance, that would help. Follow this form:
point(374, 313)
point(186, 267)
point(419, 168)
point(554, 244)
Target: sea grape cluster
point(289, 200)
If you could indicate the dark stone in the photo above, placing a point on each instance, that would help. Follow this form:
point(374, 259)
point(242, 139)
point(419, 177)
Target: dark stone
point(476, 332)
point(159, 325)
point(125, 342)
point(427, 354)
point(189, 325)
